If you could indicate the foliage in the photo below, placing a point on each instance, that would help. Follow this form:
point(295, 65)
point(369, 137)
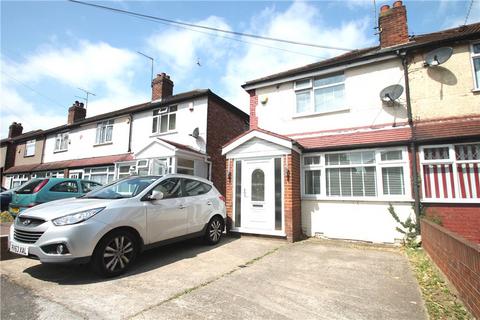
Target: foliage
point(5, 216)
point(408, 227)
point(440, 302)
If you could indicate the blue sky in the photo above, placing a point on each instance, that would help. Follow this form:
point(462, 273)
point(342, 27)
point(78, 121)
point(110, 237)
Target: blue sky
point(51, 48)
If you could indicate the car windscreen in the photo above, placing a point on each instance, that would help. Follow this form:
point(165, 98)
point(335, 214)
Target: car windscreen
point(126, 188)
point(29, 187)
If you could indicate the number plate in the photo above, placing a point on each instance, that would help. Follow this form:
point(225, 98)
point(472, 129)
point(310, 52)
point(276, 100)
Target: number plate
point(19, 249)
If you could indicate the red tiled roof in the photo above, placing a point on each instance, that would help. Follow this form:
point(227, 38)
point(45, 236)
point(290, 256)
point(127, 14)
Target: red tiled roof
point(181, 146)
point(77, 163)
point(447, 128)
point(361, 138)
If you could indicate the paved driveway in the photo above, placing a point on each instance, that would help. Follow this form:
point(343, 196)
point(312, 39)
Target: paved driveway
point(244, 278)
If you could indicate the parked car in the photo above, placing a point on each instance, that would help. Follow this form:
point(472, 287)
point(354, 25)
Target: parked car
point(41, 190)
point(110, 226)
point(6, 198)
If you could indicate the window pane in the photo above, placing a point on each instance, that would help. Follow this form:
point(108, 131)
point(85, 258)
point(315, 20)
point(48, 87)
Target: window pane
point(328, 80)
point(164, 123)
point(155, 124)
point(346, 181)
point(171, 188)
point(302, 84)
point(238, 192)
point(368, 157)
point(476, 48)
point(312, 182)
point(108, 137)
point(370, 182)
point(258, 185)
point(195, 188)
point(468, 152)
point(393, 181)
point(311, 160)
point(436, 153)
point(172, 122)
point(476, 66)
point(333, 182)
point(329, 98)
point(66, 186)
point(278, 194)
point(391, 155)
point(173, 108)
point(332, 159)
point(185, 171)
point(303, 101)
point(185, 163)
point(357, 182)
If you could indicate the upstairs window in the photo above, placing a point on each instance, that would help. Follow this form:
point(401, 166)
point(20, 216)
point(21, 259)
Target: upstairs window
point(61, 142)
point(104, 132)
point(320, 94)
point(476, 64)
point(164, 119)
point(30, 148)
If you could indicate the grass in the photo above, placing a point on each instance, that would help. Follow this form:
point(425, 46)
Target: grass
point(6, 217)
point(440, 301)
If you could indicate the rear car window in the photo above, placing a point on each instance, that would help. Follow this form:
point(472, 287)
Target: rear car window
point(29, 187)
point(89, 186)
point(196, 188)
point(65, 186)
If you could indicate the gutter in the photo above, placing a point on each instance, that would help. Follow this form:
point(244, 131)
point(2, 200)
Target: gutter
point(130, 123)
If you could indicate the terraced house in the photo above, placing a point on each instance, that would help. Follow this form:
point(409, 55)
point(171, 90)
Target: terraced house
point(332, 144)
point(176, 133)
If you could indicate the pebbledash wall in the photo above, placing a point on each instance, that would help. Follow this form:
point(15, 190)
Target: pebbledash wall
point(458, 259)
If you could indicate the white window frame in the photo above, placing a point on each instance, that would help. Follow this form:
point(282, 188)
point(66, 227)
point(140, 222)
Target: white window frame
point(109, 171)
point(18, 178)
point(30, 144)
point(379, 164)
point(166, 110)
point(476, 82)
point(101, 132)
point(311, 89)
point(63, 141)
point(451, 160)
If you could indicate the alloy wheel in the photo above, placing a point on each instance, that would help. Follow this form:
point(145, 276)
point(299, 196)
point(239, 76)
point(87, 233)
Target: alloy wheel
point(215, 231)
point(118, 253)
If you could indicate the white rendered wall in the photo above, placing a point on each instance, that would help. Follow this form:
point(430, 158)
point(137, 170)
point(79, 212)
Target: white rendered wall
point(186, 122)
point(82, 142)
point(362, 88)
point(353, 220)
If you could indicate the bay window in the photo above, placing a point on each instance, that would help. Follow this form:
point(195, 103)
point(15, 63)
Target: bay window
point(365, 174)
point(320, 94)
point(476, 65)
point(164, 119)
point(451, 172)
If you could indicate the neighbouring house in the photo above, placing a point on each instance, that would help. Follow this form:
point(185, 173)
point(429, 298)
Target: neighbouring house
point(326, 154)
point(173, 133)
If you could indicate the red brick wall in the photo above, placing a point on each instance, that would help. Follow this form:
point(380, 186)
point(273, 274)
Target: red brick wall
point(223, 124)
point(463, 219)
point(253, 109)
point(458, 259)
point(229, 192)
point(292, 197)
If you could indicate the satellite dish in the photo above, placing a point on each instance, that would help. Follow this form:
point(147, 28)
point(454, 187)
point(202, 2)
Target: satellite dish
point(438, 56)
point(195, 133)
point(391, 93)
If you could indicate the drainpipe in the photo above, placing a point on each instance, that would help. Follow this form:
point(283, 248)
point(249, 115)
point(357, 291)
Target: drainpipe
point(413, 147)
point(130, 120)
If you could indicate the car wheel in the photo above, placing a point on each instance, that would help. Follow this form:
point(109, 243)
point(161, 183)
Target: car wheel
point(214, 231)
point(115, 253)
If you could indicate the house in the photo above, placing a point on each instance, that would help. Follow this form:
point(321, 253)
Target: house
point(326, 154)
point(177, 133)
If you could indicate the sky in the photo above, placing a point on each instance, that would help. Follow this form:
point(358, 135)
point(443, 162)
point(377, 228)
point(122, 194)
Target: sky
point(50, 49)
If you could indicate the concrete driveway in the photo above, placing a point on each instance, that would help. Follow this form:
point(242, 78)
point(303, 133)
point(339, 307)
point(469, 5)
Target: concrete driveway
point(241, 278)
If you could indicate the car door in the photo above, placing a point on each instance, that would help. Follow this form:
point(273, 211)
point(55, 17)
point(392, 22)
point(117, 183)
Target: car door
point(198, 204)
point(167, 218)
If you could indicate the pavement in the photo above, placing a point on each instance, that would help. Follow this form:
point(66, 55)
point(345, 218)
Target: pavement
point(240, 278)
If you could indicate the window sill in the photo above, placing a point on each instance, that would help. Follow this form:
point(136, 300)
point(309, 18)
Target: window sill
point(103, 144)
point(30, 156)
point(357, 199)
point(163, 134)
point(60, 151)
point(313, 114)
point(476, 91)
point(458, 200)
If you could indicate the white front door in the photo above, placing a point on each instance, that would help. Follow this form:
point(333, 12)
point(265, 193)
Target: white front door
point(258, 195)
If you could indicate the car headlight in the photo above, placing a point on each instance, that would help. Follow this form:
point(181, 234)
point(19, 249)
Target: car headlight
point(76, 217)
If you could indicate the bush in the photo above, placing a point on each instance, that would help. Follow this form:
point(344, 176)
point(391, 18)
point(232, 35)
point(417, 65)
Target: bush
point(5, 216)
point(408, 227)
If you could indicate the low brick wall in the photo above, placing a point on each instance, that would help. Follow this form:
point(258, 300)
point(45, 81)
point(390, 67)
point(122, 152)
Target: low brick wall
point(459, 260)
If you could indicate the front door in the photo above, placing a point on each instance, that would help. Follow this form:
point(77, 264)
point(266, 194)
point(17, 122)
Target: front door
point(258, 195)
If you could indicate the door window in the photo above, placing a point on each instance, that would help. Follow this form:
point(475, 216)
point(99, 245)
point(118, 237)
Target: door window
point(258, 185)
point(66, 186)
point(171, 188)
point(89, 186)
point(195, 188)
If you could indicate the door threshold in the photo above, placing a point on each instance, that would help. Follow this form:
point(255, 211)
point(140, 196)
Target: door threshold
point(277, 233)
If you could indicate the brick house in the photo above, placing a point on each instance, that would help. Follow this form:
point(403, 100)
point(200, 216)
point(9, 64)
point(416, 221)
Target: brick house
point(177, 133)
point(326, 154)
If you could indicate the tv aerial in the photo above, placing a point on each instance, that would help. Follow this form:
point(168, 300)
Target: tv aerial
point(438, 56)
point(391, 93)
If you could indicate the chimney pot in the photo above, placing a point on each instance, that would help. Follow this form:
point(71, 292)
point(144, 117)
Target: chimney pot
point(384, 8)
point(397, 4)
point(162, 87)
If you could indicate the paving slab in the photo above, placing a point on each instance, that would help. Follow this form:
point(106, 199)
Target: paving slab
point(308, 280)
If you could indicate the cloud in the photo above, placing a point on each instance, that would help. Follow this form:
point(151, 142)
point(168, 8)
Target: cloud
point(459, 9)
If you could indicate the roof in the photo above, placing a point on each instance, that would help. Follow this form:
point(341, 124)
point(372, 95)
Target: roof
point(76, 163)
point(442, 129)
point(181, 146)
point(259, 130)
point(177, 98)
point(417, 41)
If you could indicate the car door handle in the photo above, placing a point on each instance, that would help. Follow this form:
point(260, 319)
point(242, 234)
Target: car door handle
point(209, 203)
point(182, 206)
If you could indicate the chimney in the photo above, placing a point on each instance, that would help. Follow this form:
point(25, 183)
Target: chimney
point(162, 87)
point(76, 112)
point(393, 25)
point(15, 130)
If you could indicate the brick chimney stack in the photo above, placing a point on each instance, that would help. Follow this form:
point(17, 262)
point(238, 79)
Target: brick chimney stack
point(393, 25)
point(76, 112)
point(162, 87)
point(15, 130)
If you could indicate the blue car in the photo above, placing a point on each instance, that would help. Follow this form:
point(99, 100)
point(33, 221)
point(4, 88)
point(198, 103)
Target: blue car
point(41, 190)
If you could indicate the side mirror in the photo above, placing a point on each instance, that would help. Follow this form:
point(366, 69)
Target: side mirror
point(156, 195)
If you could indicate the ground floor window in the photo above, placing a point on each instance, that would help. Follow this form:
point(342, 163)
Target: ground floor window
point(377, 173)
point(18, 179)
point(451, 171)
point(185, 166)
point(103, 175)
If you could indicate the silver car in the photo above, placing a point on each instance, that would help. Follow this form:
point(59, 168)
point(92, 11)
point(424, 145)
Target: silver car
point(110, 226)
